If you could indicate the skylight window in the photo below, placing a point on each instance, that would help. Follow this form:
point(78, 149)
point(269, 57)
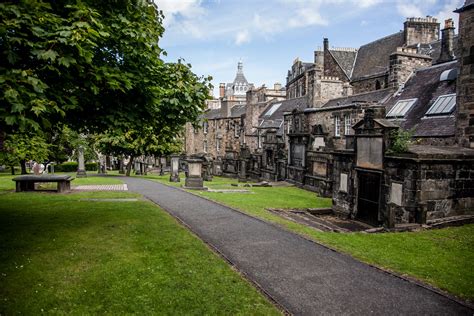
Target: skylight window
point(273, 109)
point(401, 108)
point(443, 105)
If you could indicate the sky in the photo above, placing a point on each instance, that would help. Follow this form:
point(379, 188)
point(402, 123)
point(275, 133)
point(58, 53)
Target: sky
point(268, 35)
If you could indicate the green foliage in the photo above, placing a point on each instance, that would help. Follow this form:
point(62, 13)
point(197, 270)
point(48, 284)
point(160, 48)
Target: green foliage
point(71, 166)
point(94, 65)
point(24, 147)
point(400, 141)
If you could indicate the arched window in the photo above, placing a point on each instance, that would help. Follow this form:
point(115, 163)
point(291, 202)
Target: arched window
point(377, 85)
point(469, 59)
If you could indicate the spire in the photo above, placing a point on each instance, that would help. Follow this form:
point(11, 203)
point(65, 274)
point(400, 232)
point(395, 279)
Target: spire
point(240, 77)
point(240, 67)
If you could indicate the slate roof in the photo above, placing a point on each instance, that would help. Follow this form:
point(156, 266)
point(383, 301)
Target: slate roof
point(212, 114)
point(275, 120)
point(373, 58)
point(345, 59)
point(377, 96)
point(433, 49)
point(238, 110)
point(426, 87)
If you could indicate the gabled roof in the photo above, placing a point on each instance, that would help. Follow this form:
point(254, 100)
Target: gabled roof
point(276, 118)
point(345, 59)
point(373, 58)
point(425, 85)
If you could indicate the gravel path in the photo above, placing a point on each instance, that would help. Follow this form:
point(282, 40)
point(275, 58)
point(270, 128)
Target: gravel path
point(302, 276)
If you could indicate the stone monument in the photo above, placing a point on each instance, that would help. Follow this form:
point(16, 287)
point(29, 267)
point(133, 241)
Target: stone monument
point(194, 179)
point(81, 169)
point(174, 175)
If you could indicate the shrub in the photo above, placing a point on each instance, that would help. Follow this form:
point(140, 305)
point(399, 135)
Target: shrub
point(91, 166)
point(69, 166)
point(401, 139)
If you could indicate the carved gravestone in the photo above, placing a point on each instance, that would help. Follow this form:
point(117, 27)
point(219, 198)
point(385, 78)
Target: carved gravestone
point(174, 175)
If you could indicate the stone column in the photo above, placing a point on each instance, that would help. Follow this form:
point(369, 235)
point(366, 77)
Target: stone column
point(243, 171)
point(194, 179)
point(174, 176)
point(81, 169)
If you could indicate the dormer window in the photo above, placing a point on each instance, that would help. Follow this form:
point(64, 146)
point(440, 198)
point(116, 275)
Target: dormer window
point(205, 127)
point(401, 108)
point(443, 105)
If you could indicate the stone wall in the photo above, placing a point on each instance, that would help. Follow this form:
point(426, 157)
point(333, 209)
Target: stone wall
point(465, 84)
point(370, 84)
point(420, 190)
point(402, 63)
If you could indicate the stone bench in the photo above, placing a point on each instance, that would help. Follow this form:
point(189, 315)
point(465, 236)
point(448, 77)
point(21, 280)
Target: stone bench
point(27, 182)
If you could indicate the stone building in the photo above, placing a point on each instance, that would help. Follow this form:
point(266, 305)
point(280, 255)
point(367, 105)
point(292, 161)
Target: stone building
point(335, 127)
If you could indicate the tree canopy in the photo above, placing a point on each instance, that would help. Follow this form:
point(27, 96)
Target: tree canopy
point(94, 65)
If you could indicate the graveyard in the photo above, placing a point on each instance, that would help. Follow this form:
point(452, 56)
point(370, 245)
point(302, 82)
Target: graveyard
point(132, 181)
point(75, 251)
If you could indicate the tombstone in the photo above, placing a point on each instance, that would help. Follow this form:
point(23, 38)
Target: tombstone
point(36, 169)
point(174, 176)
point(81, 169)
point(138, 169)
point(207, 168)
point(243, 170)
point(194, 179)
point(162, 165)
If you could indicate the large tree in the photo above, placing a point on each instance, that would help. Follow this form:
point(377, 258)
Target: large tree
point(95, 65)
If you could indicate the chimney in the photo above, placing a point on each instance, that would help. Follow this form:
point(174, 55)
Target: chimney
point(326, 44)
point(421, 30)
point(221, 90)
point(447, 42)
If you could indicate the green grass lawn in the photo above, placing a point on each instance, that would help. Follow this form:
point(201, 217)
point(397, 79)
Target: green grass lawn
point(63, 254)
point(443, 258)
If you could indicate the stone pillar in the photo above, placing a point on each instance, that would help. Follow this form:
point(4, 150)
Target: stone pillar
point(162, 165)
point(174, 175)
point(81, 169)
point(194, 179)
point(138, 169)
point(243, 171)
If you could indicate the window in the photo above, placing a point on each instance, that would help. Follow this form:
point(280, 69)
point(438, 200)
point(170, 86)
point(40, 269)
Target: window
point(218, 145)
point(273, 109)
point(236, 130)
point(401, 108)
point(444, 104)
point(377, 85)
point(205, 127)
point(347, 124)
point(259, 139)
point(337, 125)
point(204, 146)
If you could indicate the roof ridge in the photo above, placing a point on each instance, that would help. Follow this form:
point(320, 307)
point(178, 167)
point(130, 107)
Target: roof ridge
point(382, 38)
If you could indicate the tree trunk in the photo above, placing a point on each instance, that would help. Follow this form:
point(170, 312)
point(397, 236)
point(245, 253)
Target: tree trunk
point(13, 170)
point(23, 166)
point(129, 166)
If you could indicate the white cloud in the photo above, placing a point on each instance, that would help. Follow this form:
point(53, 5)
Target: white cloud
point(307, 17)
point(186, 8)
point(242, 37)
point(409, 10)
point(447, 12)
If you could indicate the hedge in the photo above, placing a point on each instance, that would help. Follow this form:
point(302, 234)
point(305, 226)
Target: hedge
point(71, 166)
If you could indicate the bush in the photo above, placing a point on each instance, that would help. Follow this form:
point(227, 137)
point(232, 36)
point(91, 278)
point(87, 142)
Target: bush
point(401, 139)
point(71, 166)
point(92, 166)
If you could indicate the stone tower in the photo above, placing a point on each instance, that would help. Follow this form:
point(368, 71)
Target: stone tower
point(465, 84)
